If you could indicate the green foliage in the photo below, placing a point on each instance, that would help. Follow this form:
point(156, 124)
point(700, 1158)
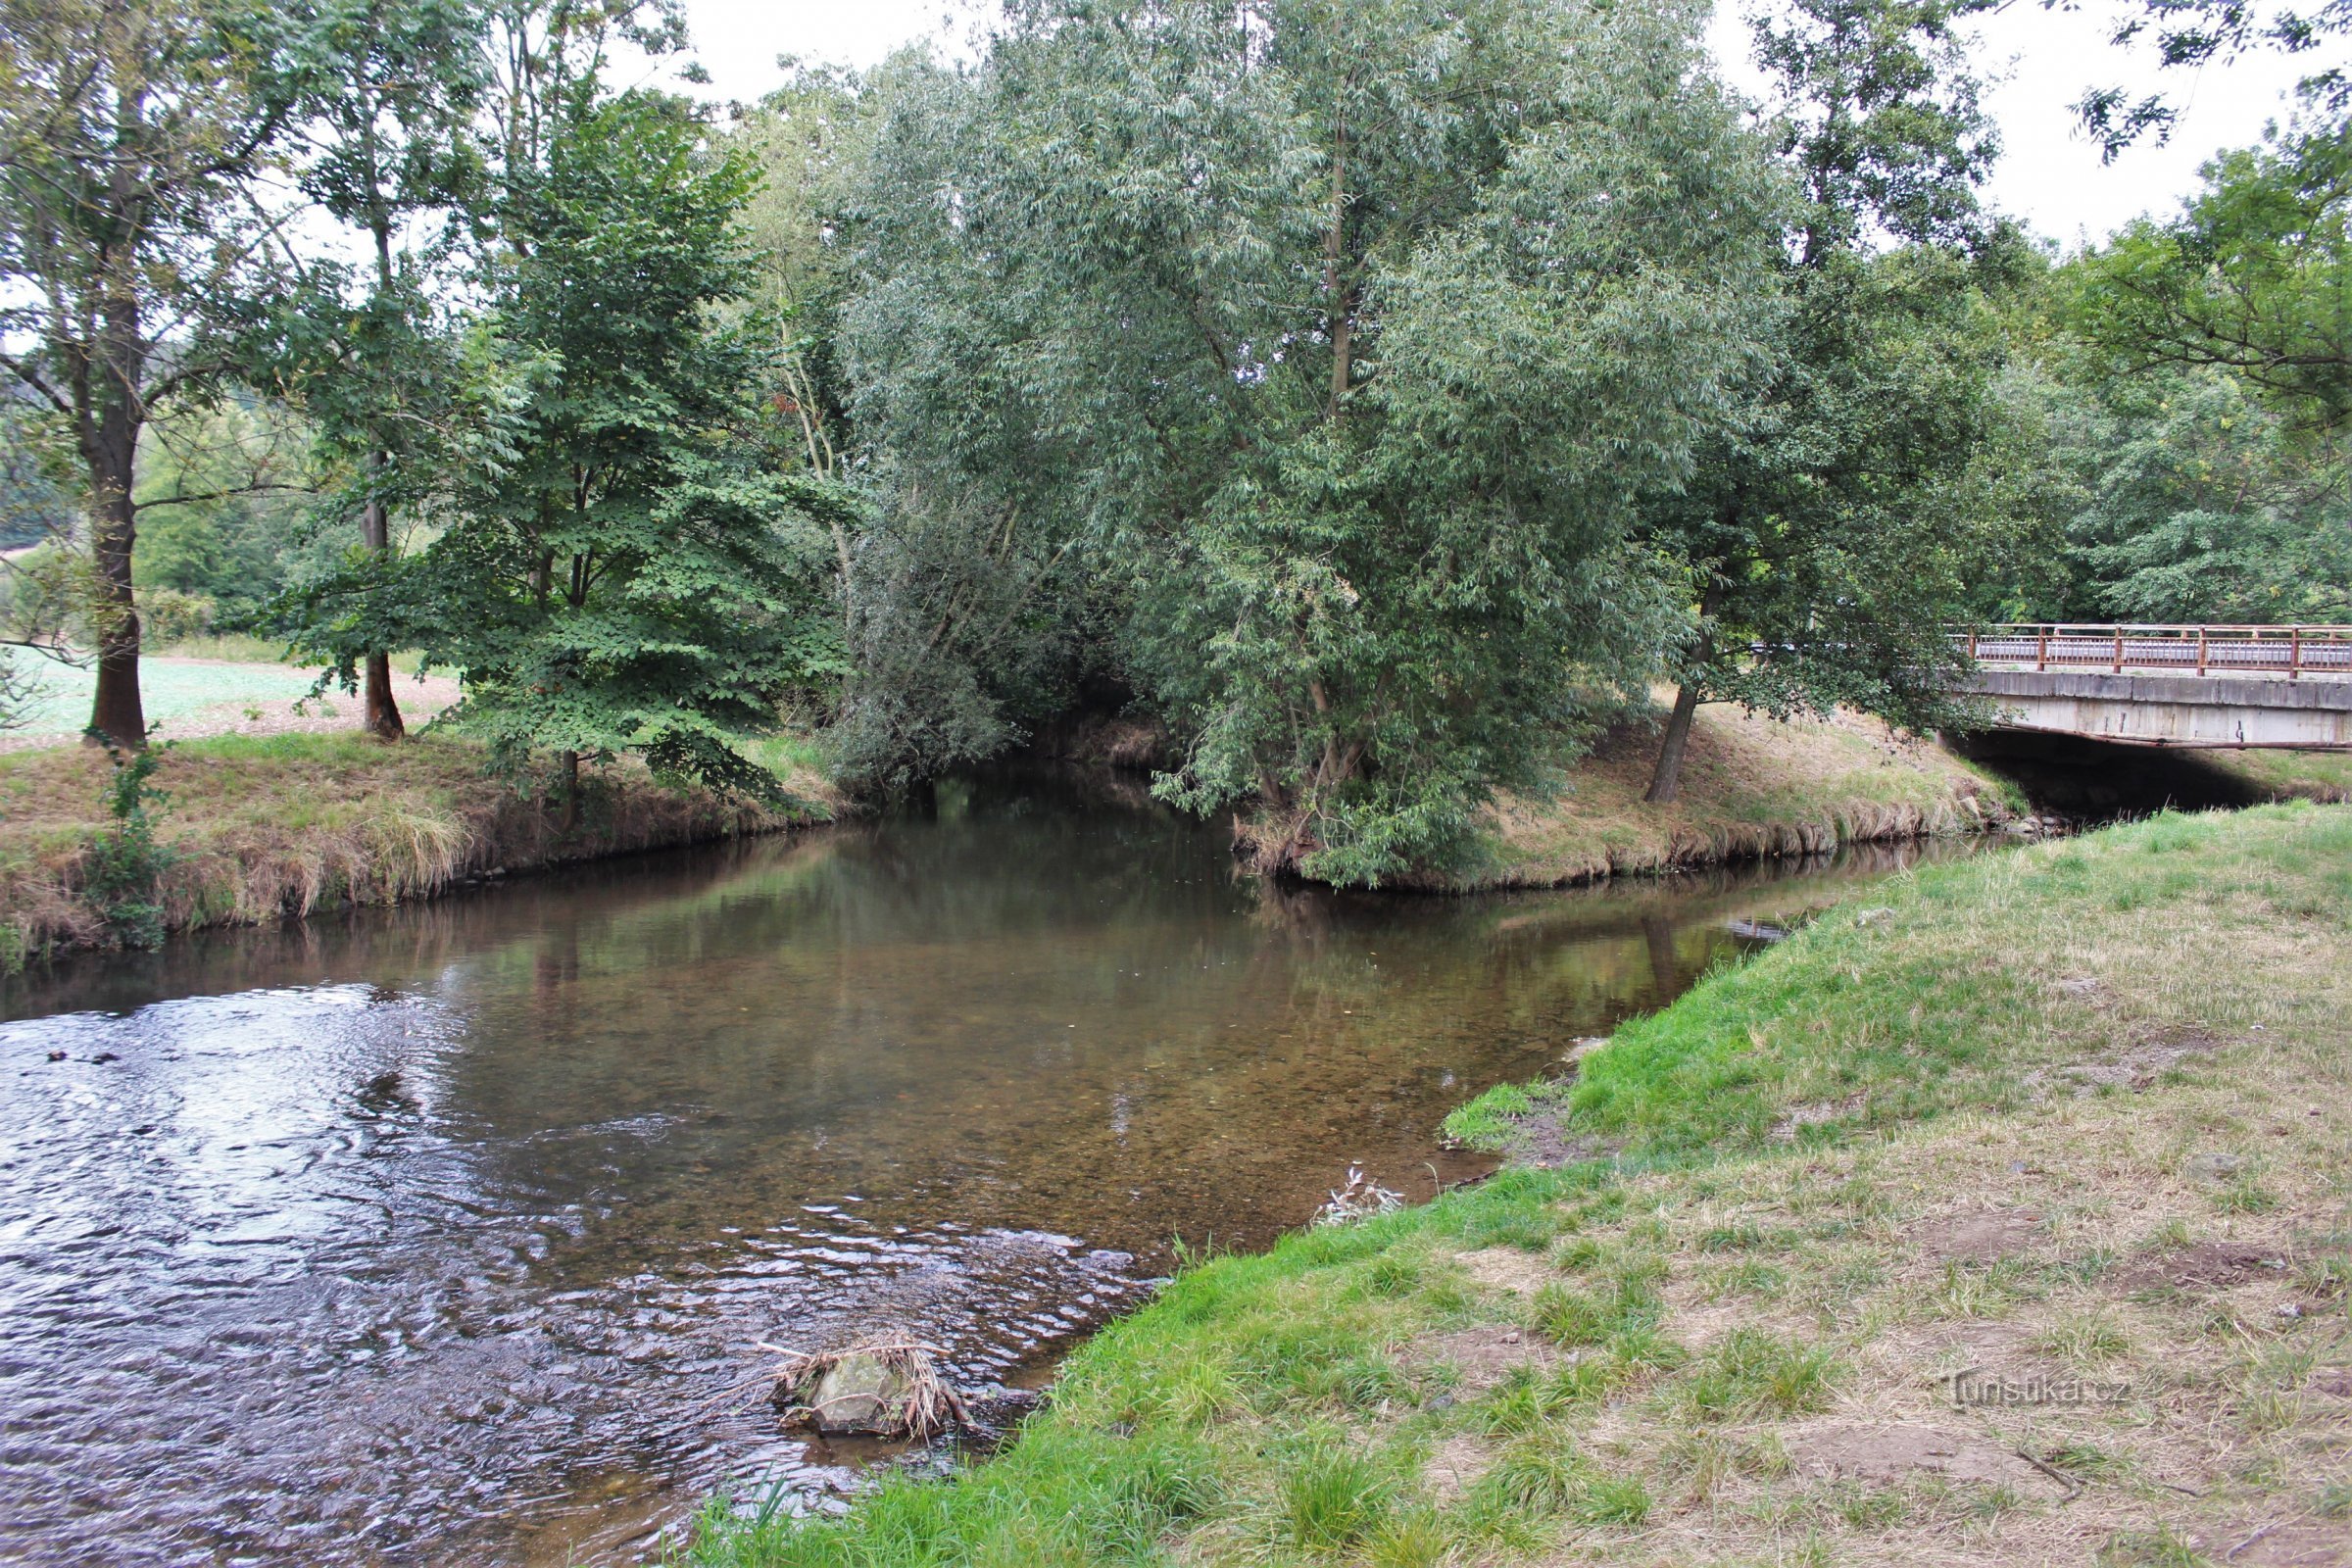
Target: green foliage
point(36, 479)
point(233, 548)
point(2202, 504)
point(624, 565)
point(1340, 343)
point(2254, 278)
point(1831, 534)
point(121, 870)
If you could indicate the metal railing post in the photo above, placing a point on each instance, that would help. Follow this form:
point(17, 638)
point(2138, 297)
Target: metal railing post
point(2294, 653)
point(2201, 633)
point(2042, 652)
point(2119, 650)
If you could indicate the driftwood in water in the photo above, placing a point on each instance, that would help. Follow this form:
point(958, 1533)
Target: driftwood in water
point(888, 1389)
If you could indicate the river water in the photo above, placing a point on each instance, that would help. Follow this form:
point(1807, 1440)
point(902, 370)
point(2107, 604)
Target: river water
point(453, 1233)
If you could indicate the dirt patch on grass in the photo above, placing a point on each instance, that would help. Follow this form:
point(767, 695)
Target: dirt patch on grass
point(1454, 1466)
point(2206, 1266)
point(2299, 1544)
point(1897, 1452)
point(1506, 1268)
point(1542, 1138)
point(1976, 1237)
point(1484, 1355)
point(2134, 1066)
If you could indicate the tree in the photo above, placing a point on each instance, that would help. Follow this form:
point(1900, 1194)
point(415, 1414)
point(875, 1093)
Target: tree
point(127, 132)
point(623, 566)
point(390, 91)
point(2255, 278)
point(2199, 503)
point(1829, 537)
point(1340, 340)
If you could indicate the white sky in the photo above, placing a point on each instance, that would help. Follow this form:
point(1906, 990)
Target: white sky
point(2048, 174)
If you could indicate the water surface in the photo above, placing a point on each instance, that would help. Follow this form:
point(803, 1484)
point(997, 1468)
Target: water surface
point(454, 1232)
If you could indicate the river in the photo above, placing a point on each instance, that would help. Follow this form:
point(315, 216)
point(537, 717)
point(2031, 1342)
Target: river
point(454, 1232)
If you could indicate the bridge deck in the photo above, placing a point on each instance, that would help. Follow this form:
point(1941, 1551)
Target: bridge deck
point(2196, 686)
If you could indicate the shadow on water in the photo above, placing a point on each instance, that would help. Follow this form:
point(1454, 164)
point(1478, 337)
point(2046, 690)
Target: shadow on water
point(444, 1231)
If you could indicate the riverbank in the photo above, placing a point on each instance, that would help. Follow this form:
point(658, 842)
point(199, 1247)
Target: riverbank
point(2000, 1219)
point(263, 827)
point(1752, 788)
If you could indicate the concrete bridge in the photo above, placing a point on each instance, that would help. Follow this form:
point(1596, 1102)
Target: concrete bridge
point(2182, 686)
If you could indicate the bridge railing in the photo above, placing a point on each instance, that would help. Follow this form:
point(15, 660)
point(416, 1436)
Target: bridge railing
point(2292, 651)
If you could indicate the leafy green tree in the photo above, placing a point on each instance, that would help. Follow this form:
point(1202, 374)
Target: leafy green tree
point(2255, 278)
point(1830, 535)
point(2202, 504)
point(129, 132)
point(624, 568)
point(1341, 341)
point(386, 121)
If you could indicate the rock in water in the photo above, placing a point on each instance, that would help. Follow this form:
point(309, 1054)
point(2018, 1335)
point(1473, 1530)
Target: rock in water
point(879, 1388)
point(860, 1393)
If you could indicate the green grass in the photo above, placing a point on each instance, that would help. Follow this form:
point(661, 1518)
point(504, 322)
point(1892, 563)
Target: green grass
point(170, 691)
point(1281, 1409)
point(262, 826)
point(2325, 776)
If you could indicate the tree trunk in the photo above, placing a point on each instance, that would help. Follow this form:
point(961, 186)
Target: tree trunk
point(1666, 780)
point(381, 714)
point(111, 453)
point(567, 766)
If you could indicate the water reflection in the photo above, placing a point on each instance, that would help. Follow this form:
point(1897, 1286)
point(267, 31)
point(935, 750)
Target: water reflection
point(445, 1232)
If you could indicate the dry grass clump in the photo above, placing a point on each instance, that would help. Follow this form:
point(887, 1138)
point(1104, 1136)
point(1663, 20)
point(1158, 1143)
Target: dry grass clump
point(267, 827)
point(1754, 787)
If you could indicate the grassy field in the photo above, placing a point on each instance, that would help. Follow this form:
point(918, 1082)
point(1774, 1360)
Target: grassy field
point(2004, 1218)
point(1751, 787)
point(260, 827)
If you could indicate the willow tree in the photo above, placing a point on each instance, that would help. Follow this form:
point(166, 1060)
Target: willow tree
point(1340, 341)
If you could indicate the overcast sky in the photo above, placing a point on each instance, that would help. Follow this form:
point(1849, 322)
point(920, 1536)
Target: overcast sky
point(2047, 176)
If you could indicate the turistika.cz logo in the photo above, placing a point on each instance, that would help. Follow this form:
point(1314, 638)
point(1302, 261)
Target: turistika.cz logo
point(1978, 1388)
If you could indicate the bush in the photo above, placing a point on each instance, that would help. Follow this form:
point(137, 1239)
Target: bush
point(123, 868)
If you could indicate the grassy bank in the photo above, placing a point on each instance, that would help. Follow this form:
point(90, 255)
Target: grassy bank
point(1751, 787)
point(259, 827)
point(2078, 1117)
point(2322, 776)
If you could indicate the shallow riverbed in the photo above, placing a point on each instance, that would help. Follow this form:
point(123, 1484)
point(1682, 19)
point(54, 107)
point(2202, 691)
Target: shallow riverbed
point(446, 1233)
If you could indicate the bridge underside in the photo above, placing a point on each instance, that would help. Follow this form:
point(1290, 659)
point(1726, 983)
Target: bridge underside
point(2184, 711)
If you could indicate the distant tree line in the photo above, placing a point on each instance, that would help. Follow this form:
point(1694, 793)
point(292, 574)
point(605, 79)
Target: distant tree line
point(1385, 398)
